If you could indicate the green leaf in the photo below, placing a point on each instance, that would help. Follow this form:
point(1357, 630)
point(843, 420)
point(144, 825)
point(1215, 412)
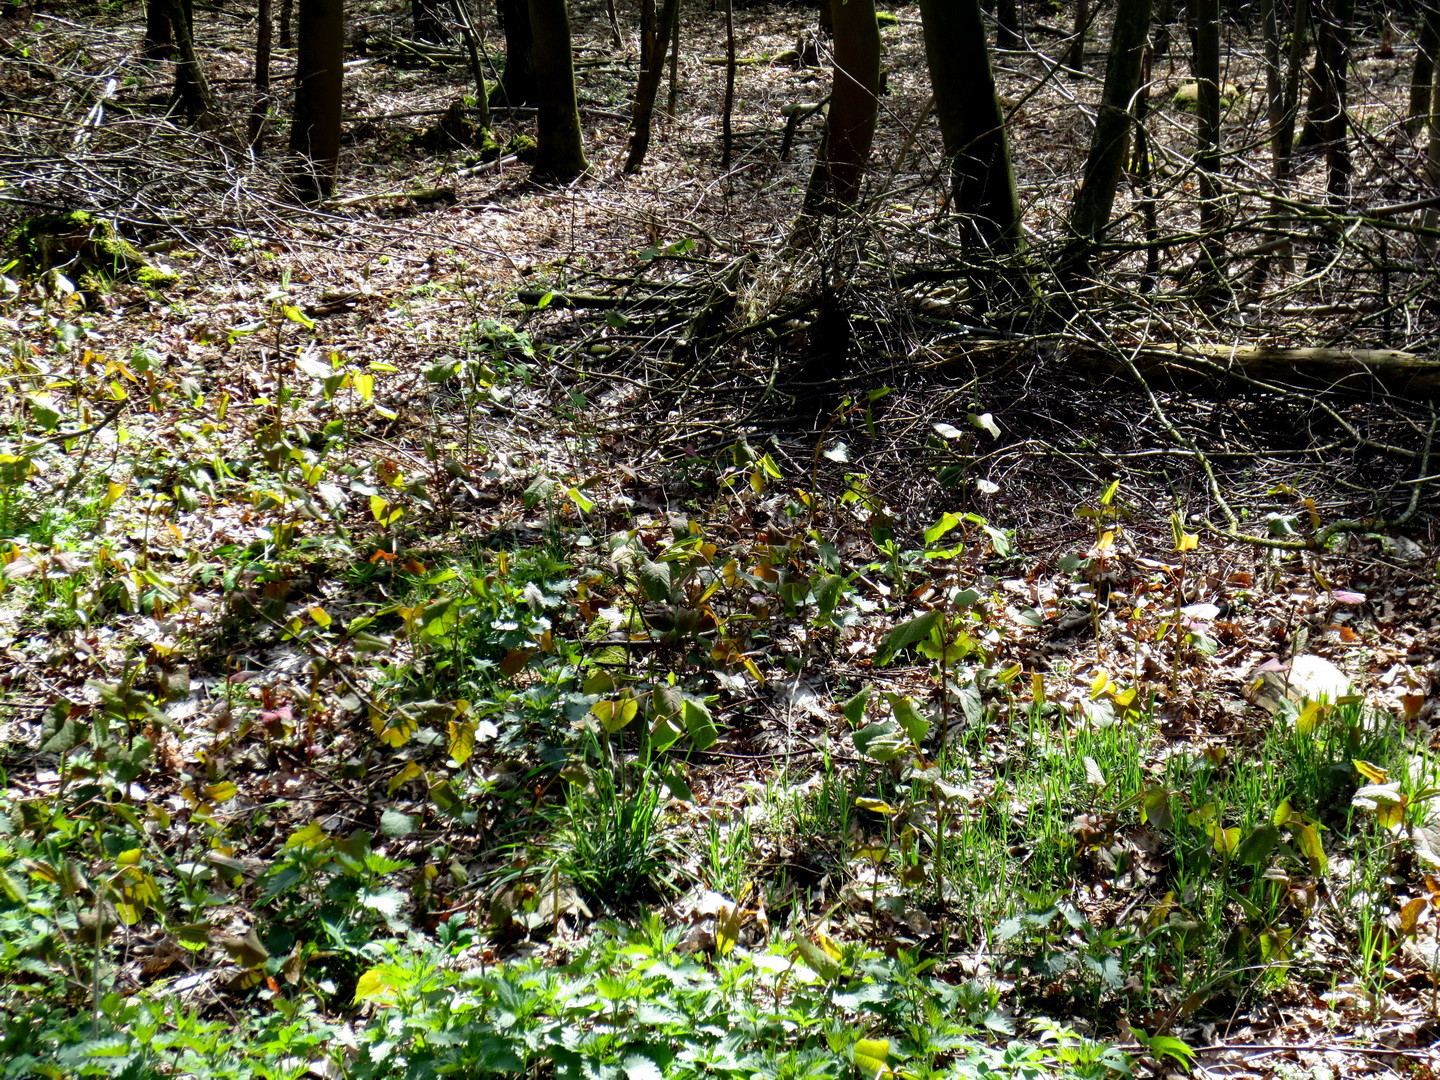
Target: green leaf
point(394, 824)
point(908, 716)
point(882, 741)
point(699, 724)
point(826, 588)
point(295, 315)
point(871, 1056)
point(906, 634)
point(654, 579)
point(943, 525)
point(854, 709)
point(1256, 847)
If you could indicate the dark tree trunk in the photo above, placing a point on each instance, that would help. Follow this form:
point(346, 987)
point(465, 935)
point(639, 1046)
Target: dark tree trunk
point(1422, 75)
point(559, 152)
point(517, 81)
point(1007, 25)
point(650, 48)
point(159, 40)
point(645, 92)
point(1204, 17)
point(972, 126)
point(319, 79)
point(1110, 143)
point(287, 13)
point(1282, 145)
point(260, 110)
point(192, 89)
point(1164, 17)
point(727, 135)
point(427, 20)
point(1075, 54)
point(1326, 118)
point(854, 106)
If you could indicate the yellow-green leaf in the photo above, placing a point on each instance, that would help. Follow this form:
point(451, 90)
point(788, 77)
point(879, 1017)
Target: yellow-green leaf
point(224, 791)
point(409, 772)
point(871, 1056)
point(462, 741)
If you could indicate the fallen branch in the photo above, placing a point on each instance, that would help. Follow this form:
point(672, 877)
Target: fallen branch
point(1401, 371)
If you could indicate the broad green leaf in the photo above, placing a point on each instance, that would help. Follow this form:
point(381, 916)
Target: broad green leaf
point(615, 714)
point(699, 724)
point(908, 717)
point(871, 1056)
point(908, 633)
point(826, 588)
point(395, 825)
point(654, 579)
point(820, 960)
point(854, 709)
point(379, 985)
point(943, 525)
point(1256, 847)
point(882, 741)
point(1307, 839)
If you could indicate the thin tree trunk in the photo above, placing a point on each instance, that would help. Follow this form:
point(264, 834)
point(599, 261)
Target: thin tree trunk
point(1205, 21)
point(972, 126)
point(159, 40)
point(1283, 146)
point(319, 82)
point(287, 13)
point(517, 81)
point(559, 152)
point(260, 109)
point(1075, 54)
point(1007, 25)
point(673, 101)
point(645, 92)
point(1110, 143)
point(1426, 244)
point(470, 34)
point(1274, 85)
point(854, 106)
point(1422, 75)
point(615, 38)
point(650, 47)
point(1164, 17)
point(192, 88)
point(727, 134)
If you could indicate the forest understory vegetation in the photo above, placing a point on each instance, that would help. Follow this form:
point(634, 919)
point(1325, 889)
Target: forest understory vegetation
point(635, 628)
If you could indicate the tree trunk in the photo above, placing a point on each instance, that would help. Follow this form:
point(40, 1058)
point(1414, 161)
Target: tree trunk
point(159, 40)
point(1426, 244)
point(972, 126)
point(1075, 54)
point(1164, 17)
point(319, 72)
point(645, 92)
point(854, 106)
point(1007, 25)
point(673, 101)
point(727, 135)
point(1283, 145)
point(192, 88)
point(287, 17)
point(1422, 76)
point(1110, 143)
point(427, 19)
point(559, 153)
point(1325, 114)
point(470, 34)
point(517, 81)
point(260, 108)
point(651, 50)
point(1205, 21)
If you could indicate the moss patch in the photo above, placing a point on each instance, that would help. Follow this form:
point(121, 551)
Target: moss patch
point(86, 248)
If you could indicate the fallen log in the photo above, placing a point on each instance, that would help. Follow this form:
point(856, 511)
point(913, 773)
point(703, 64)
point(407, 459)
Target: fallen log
point(1391, 368)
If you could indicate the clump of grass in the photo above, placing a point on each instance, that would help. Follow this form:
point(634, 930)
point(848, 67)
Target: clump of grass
point(611, 842)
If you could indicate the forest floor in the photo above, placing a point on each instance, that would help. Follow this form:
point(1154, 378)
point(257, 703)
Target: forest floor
point(510, 628)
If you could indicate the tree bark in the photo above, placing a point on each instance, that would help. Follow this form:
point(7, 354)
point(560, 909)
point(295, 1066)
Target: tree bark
point(727, 135)
point(646, 90)
point(1205, 22)
point(1075, 54)
point(319, 76)
point(517, 81)
point(854, 107)
point(287, 18)
point(260, 108)
point(972, 126)
point(1325, 114)
point(1007, 25)
point(559, 152)
point(159, 40)
point(192, 88)
point(1110, 143)
point(1422, 75)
